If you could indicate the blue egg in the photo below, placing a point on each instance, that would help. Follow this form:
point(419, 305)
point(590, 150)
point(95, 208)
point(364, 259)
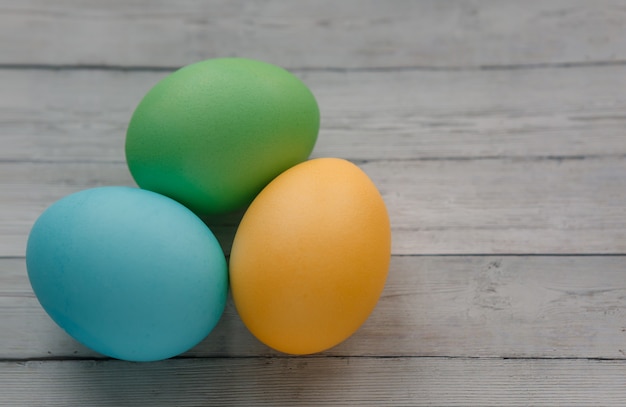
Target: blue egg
point(129, 273)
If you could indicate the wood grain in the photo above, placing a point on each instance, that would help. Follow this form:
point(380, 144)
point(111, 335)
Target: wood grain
point(494, 130)
point(436, 207)
point(454, 306)
point(82, 116)
point(323, 34)
point(316, 381)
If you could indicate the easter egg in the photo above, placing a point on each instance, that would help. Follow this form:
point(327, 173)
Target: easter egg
point(310, 258)
point(129, 273)
point(212, 134)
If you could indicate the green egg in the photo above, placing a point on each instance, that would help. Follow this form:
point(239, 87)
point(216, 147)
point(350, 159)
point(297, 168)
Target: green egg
point(212, 134)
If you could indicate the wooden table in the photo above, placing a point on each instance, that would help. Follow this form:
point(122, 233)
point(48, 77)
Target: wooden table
point(496, 132)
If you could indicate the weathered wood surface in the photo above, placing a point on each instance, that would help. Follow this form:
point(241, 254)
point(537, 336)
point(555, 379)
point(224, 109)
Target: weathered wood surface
point(495, 130)
point(452, 306)
point(436, 207)
point(82, 116)
point(537, 172)
point(320, 34)
point(316, 381)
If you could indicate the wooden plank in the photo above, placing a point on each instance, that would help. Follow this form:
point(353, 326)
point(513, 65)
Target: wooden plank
point(436, 206)
point(455, 306)
point(83, 115)
point(490, 127)
point(326, 33)
point(315, 382)
point(504, 206)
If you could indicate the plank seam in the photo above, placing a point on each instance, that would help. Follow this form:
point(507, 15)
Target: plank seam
point(453, 254)
point(530, 158)
point(332, 69)
point(282, 357)
point(504, 254)
point(535, 158)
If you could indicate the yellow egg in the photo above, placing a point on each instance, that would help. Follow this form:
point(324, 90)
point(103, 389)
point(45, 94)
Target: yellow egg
point(311, 256)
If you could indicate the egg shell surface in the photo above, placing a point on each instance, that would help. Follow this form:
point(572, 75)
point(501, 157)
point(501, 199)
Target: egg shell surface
point(129, 273)
point(310, 258)
point(212, 134)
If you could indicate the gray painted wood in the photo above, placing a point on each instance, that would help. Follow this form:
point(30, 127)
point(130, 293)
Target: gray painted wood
point(558, 112)
point(456, 306)
point(436, 206)
point(317, 34)
point(549, 139)
point(315, 382)
point(491, 128)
